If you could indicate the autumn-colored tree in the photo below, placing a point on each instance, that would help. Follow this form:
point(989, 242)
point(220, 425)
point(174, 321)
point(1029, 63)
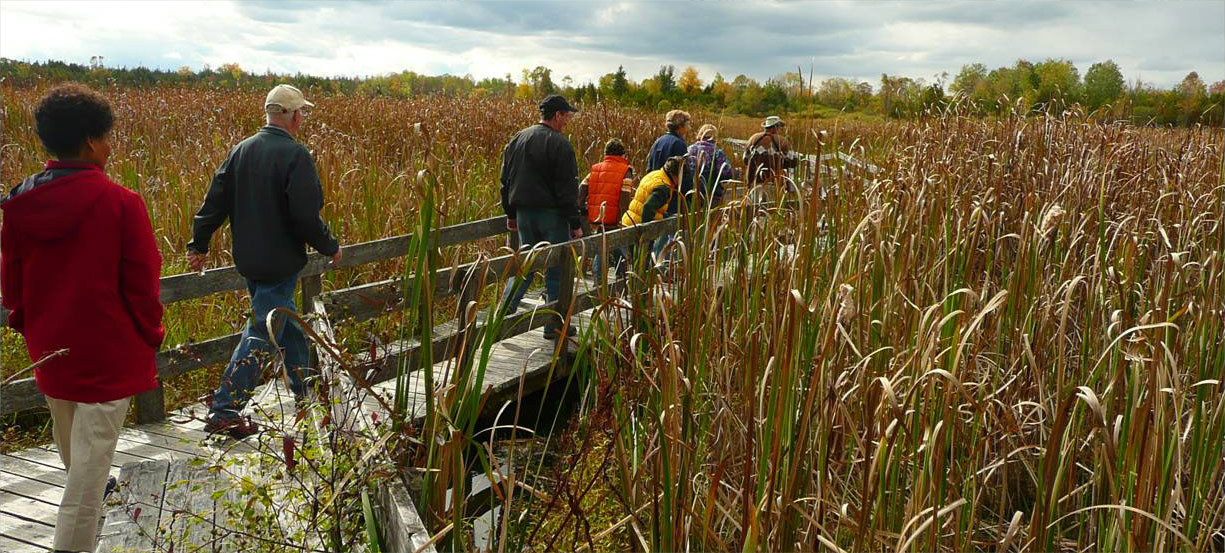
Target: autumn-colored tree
point(690, 84)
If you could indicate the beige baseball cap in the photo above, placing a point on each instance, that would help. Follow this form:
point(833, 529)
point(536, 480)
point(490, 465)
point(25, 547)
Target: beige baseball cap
point(287, 97)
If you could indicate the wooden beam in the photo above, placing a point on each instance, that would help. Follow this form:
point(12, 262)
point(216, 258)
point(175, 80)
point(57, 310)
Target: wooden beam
point(193, 285)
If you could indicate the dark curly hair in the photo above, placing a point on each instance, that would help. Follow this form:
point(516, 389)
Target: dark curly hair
point(614, 147)
point(68, 115)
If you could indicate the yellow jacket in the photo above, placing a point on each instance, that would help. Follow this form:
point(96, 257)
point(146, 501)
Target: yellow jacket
point(655, 186)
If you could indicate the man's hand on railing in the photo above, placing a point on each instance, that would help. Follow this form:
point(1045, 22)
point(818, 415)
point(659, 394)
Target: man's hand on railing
point(512, 224)
point(340, 254)
point(575, 234)
point(196, 260)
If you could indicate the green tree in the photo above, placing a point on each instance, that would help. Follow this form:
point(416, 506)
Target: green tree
point(540, 80)
point(666, 79)
point(968, 79)
point(1103, 84)
point(1058, 80)
point(1191, 93)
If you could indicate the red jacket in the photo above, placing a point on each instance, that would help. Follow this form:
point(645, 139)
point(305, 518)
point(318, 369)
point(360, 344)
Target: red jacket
point(604, 188)
point(79, 269)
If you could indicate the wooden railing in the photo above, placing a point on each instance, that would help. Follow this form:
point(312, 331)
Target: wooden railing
point(368, 300)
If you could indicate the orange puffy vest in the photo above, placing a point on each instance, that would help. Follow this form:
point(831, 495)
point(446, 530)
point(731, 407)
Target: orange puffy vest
point(604, 190)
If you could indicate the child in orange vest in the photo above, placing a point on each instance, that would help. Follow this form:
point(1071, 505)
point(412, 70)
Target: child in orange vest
point(603, 198)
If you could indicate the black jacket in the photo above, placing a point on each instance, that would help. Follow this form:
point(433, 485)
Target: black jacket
point(270, 192)
point(539, 172)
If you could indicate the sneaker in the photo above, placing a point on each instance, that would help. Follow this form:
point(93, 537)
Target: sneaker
point(551, 333)
point(111, 484)
point(240, 428)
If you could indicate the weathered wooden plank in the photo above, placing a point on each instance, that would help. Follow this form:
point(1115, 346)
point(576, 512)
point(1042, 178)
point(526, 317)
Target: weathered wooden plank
point(13, 544)
point(48, 454)
point(33, 489)
point(188, 357)
point(131, 523)
point(31, 533)
point(20, 395)
point(183, 429)
point(137, 441)
point(403, 529)
point(32, 470)
point(187, 517)
point(28, 509)
point(198, 532)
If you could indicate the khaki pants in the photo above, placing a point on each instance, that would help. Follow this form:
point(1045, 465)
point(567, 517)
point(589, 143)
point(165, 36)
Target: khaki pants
point(85, 434)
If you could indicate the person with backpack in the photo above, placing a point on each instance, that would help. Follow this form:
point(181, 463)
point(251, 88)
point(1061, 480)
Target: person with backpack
point(768, 154)
point(710, 166)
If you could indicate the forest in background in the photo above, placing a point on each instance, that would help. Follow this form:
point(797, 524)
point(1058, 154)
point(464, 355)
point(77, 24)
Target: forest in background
point(1049, 86)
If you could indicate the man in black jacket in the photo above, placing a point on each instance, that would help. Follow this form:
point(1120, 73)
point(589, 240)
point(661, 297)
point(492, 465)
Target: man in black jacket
point(540, 196)
point(269, 191)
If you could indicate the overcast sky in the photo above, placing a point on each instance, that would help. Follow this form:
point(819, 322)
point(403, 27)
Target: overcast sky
point(1159, 42)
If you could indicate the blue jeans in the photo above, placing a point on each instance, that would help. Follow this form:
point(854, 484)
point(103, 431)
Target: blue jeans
point(620, 261)
point(537, 225)
point(242, 375)
point(620, 258)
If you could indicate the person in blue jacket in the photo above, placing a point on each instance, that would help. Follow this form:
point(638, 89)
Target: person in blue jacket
point(671, 144)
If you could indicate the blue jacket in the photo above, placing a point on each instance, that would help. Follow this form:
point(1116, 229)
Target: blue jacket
point(666, 146)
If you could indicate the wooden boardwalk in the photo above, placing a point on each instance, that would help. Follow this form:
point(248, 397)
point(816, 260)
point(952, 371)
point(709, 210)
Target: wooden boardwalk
point(153, 461)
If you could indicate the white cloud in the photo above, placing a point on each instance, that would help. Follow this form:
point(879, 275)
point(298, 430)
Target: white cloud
point(1159, 42)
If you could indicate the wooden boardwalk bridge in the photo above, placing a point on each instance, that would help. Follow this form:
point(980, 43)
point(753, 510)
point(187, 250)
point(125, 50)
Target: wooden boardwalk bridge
point(162, 460)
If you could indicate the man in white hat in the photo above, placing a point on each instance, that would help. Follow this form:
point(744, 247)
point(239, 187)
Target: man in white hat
point(269, 191)
point(768, 153)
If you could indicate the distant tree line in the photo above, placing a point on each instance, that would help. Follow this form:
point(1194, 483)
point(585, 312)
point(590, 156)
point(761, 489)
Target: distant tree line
point(1053, 85)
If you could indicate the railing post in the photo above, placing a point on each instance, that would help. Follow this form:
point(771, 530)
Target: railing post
point(512, 240)
point(461, 349)
point(565, 296)
point(312, 286)
point(151, 405)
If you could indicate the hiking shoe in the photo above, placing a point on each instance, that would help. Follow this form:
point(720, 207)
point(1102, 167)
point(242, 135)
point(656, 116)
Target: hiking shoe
point(240, 428)
point(554, 333)
point(111, 484)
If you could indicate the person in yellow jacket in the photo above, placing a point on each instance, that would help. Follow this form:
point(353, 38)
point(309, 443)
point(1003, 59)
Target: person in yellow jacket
point(651, 200)
point(654, 193)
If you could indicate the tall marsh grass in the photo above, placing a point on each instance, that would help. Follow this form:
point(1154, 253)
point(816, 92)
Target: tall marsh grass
point(1011, 339)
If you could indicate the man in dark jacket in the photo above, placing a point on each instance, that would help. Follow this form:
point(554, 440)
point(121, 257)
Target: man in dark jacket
point(80, 271)
point(540, 196)
point(269, 191)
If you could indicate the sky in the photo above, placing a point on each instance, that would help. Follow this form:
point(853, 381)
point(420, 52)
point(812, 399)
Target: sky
point(1158, 42)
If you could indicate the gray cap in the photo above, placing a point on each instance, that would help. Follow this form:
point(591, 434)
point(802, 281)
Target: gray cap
point(773, 121)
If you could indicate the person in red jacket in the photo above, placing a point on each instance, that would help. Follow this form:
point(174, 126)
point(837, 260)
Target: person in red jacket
point(602, 203)
point(79, 270)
